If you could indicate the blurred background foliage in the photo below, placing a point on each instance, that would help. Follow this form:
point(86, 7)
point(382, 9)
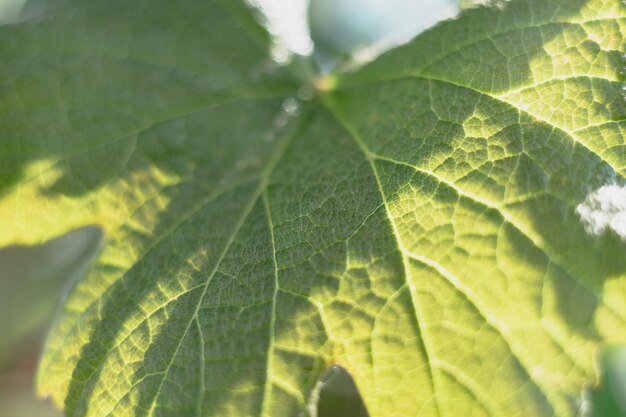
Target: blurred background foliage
point(10, 10)
point(344, 32)
point(32, 281)
point(609, 398)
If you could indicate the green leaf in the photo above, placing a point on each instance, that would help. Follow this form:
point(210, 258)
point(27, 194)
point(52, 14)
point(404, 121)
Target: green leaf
point(609, 397)
point(416, 225)
point(28, 277)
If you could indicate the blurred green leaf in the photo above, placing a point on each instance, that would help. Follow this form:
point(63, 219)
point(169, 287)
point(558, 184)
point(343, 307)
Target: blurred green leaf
point(609, 398)
point(32, 279)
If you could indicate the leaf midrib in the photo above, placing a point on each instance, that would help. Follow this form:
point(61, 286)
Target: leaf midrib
point(543, 388)
point(500, 99)
point(540, 243)
point(255, 196)
point(419, 315)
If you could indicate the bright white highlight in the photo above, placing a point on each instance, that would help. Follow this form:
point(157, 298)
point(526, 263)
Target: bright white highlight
point(10, 11)
point(604, 210)
point(287, 21)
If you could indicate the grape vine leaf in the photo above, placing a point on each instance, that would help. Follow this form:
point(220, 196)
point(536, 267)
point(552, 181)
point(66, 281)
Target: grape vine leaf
point(415, 223)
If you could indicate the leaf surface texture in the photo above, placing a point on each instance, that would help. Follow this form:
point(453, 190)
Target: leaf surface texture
point(416, 225)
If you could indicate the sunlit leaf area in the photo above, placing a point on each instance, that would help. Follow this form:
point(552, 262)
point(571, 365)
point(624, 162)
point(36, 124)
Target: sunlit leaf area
point(407, 208)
